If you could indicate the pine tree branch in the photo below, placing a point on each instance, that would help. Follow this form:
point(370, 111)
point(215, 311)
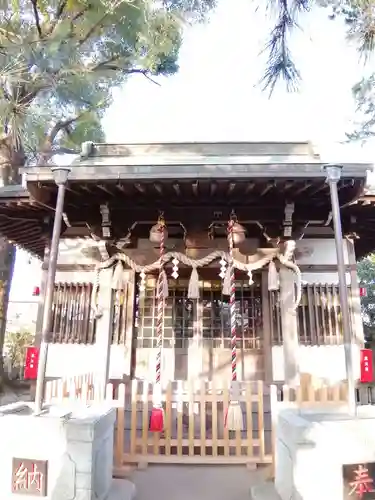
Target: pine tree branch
point(144, 72)
point(60, 14)
point(92, 30)
point(280, 63)
point(108, 65)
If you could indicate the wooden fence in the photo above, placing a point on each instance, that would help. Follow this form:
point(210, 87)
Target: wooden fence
point(194, 419)
point(78, 387)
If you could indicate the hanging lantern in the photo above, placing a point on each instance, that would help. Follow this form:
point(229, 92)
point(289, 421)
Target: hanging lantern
point(156, 231)
point(239, 234)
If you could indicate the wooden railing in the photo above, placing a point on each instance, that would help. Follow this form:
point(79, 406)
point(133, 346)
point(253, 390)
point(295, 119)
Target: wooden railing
point(318, 315)
point(194, 419)
point(77, 387)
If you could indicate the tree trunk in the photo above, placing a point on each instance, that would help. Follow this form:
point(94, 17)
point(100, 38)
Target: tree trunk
point(7, 259)
point(11, 158)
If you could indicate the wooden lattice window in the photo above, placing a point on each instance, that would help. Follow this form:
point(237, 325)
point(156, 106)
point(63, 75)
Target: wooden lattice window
point(319, 318)
point(216, 315)
point(206, 319)
point(72, 315)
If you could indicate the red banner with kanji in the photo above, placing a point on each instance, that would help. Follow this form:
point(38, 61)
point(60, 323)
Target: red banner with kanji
point(367, 369)
point(31, 363)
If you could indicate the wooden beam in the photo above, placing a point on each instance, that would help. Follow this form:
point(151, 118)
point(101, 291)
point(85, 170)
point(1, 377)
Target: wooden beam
point(302, 189)
point(177, 188)
point(213, 188)
point(231, 188)
point(140, 187)
point(269, 186)
point(104, 188)
point(182, 211)
point(72, 267)
point(250, 186)
point(324, 268)
point(159, 188)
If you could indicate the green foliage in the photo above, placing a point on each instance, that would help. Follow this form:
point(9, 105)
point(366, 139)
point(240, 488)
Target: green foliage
point(359, 17)
point(16, 344)
point(366, 276)
point(364, 95)
point(280, 64)
point(60, 60)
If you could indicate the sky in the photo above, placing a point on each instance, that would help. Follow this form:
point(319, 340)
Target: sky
point(216, 96)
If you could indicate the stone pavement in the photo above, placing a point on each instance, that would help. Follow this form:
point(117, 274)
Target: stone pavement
point(11, 396)
point(186, 482)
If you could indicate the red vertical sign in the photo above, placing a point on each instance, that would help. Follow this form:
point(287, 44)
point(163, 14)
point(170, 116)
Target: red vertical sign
point(31, 363)
point(363, 291)
point(367, 369)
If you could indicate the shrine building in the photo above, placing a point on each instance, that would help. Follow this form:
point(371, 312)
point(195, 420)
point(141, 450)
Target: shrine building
point(288, 318)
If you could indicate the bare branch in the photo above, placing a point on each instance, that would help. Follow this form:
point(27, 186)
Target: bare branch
point(48, 149)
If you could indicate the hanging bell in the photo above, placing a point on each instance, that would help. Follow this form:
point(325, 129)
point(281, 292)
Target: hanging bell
point(156, 232)
point(239, 234)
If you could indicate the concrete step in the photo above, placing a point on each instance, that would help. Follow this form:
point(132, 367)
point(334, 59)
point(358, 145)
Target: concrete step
point(122, 489)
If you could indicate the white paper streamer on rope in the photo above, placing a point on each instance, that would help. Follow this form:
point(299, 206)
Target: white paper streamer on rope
point(197, 263)
point(273, 277)
point(118, 277)
point(193, 289)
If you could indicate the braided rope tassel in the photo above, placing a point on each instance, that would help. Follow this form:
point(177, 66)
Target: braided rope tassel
point(157, 414)
point(160, 302)
point(232, 302)
point(233, 417)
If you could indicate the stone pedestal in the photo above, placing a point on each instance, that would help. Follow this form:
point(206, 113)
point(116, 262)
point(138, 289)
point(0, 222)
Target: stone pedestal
point(312, 447)
point(63, 454)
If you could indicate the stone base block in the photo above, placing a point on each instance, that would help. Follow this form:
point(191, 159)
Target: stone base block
point(65, 453)
point(313, 446)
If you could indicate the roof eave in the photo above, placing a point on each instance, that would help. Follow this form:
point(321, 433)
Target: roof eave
point(233, 170)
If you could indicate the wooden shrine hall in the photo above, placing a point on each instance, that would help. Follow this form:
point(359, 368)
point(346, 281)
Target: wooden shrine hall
point(287, 306)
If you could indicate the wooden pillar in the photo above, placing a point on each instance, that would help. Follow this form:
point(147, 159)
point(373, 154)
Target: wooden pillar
point(39, 315)
point(357, 324)
point(195, 349)
point(267, 336)
point(103, 332)
point(129, 325)
point(289, 327)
